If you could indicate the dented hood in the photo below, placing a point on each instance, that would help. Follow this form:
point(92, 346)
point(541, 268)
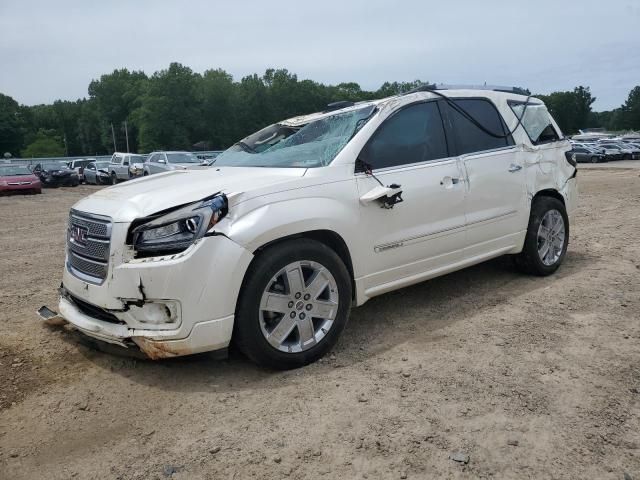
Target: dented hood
point(147, 195)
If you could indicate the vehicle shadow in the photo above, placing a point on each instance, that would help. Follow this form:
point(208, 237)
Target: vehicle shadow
point(414, 313)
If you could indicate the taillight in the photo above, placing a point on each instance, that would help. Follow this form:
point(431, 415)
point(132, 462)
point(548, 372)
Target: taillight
point(570, 158)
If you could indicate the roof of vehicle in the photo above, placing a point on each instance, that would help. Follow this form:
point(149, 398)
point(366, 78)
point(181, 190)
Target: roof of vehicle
point(491, 94)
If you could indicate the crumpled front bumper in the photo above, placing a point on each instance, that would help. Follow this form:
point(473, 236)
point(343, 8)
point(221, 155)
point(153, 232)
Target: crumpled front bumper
point(205, 336)
point(203, 284)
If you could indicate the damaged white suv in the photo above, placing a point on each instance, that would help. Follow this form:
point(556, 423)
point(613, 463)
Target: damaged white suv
point(297, 223)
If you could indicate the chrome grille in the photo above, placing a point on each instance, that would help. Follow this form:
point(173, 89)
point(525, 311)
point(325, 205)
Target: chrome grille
point(88, 246)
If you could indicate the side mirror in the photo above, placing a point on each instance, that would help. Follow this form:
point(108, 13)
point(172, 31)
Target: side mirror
point(386, 196)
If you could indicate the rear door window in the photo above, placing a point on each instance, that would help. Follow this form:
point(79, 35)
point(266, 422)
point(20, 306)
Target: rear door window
point(412, 135)
point(470, 138)
point(536, 121)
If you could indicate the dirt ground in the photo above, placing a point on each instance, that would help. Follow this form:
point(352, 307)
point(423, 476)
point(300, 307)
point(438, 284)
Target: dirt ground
point(528, 377)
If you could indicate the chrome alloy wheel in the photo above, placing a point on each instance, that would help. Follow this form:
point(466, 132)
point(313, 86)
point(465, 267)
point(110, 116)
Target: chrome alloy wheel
point(298, 306)
point(551, 233)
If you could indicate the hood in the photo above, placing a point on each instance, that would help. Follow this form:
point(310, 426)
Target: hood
point(27, 177)
point(141, 197)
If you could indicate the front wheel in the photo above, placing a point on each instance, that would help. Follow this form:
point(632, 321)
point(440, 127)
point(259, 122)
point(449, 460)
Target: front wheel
point(114, 178)
point(547, 238)
point(294, 304)
point(594, 159)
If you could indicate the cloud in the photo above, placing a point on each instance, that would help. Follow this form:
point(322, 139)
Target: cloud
point(51, 50)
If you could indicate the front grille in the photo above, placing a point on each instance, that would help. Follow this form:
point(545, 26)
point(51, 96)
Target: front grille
point(94, 312)
point(88, 251)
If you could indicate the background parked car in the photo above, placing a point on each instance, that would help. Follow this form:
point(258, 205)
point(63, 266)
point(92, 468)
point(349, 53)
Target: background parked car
point(97, 172)
point(609, 153)
point(78, 166)
point(55, 174)
point(159, 162)
point(627, 152)
point(18, 179)
point(125, 166)
point(586, 155)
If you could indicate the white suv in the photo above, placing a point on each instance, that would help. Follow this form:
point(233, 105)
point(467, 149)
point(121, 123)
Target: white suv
point(297, 223)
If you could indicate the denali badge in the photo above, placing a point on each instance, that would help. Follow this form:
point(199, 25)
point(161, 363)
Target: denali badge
point(79, 234)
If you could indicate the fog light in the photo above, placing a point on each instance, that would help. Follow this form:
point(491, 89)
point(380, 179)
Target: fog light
point(155, 313)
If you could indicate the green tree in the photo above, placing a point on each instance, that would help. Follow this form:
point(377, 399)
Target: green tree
point(116, 96)
point(218, 109)
point(170, 115)
point(394, 88)
point(630, 111)
point(11, 125)
point(571, 109)
point(45, 144)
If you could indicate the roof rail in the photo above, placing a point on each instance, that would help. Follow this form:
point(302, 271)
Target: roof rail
point(496, 88)
point(338, 105)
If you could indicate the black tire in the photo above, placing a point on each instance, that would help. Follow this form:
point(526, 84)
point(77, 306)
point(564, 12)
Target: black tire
point(594, 160)
point(529, 261)
point(626, 156)
point(248, 334)
point(114, 178)
point(145, 173)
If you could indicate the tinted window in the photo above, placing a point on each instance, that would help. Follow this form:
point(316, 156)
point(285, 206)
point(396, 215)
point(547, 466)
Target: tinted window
point(182, 158)
point(414, 134)
point(469, 137)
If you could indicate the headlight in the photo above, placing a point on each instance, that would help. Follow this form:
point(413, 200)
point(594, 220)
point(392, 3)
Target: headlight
point(175, 231)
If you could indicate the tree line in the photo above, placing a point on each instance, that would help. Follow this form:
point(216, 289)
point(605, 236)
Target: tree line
point(178, 108)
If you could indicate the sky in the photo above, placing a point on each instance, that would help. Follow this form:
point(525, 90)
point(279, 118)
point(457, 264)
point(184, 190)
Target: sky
point(51, 50)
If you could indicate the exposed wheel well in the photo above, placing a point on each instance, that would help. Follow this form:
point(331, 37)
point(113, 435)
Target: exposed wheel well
point(328, 237)
point(549, 192)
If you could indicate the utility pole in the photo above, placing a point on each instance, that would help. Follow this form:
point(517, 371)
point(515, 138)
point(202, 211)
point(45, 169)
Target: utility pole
point(113, 135)
point(126, 134)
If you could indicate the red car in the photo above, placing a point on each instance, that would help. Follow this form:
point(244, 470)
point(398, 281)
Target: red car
point(18, 179)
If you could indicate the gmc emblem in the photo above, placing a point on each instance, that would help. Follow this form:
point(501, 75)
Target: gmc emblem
point(79, 235)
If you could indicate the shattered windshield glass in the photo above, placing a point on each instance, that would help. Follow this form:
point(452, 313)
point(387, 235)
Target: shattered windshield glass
point(314, 145)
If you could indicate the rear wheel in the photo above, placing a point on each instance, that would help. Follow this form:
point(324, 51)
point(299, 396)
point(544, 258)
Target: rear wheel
point(114, 178)
point(547, 238)
point(594, 159)
point(294, 304)
point(626, 156)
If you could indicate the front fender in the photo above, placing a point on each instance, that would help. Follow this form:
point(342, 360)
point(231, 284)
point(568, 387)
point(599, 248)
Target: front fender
point(276, 220)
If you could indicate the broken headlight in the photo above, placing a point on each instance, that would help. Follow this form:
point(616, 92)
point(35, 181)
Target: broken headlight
point(175, 231)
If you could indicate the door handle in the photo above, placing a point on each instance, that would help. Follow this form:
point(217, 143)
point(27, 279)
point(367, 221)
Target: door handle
point(448, 182)
point(514, 168)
